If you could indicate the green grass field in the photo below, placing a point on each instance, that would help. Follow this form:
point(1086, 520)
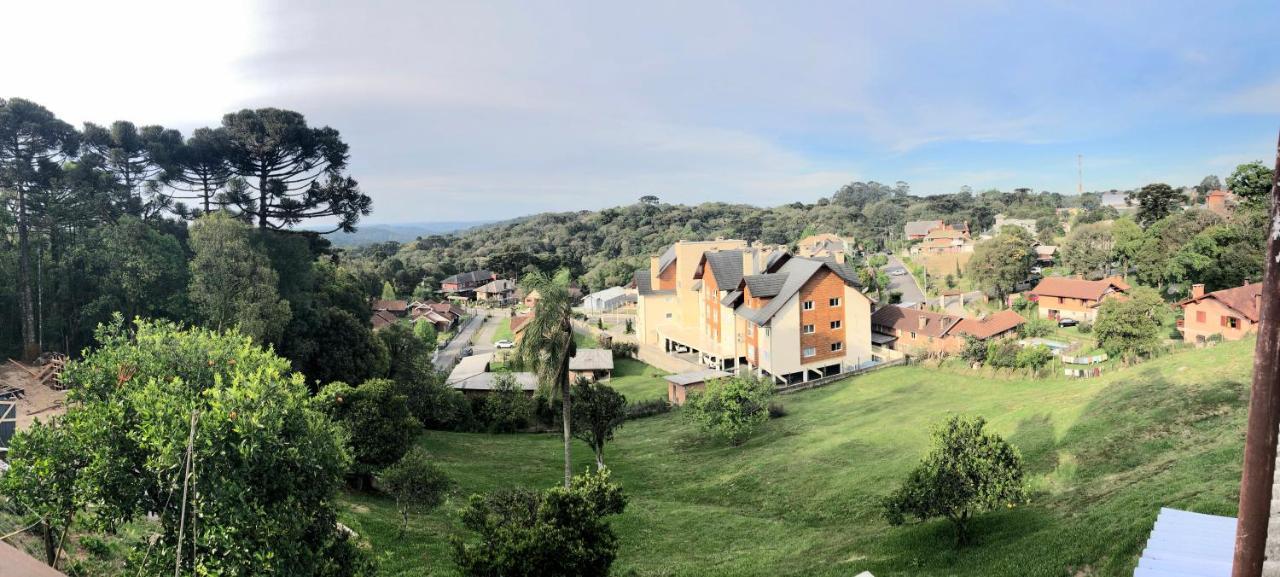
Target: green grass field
point(638, 381)
point(801, 497)
point(503, 332)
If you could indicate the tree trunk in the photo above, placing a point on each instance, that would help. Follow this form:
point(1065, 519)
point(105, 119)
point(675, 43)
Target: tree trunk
point(567, 416)
point(30, 346)
point(600, 459)
point(262, 200)
point(50, 547)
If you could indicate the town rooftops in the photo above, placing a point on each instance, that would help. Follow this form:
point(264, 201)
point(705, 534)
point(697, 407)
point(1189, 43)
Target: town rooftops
point(694, 377)
point(518, 322)
point(668, 257)
point(608, 293)
point(725, 265)
point(921, 227)
point(469, 366)
point(927, 323)
point(797, 272)
point(1243, 299)
point(592, 360)
point(1045, 251)
point(394, 306)
point(765, 285)
point(990, 325)
point(1094, 290)
point(498, 286)
point(645, 287)
point(381, 319)
point(472, 277)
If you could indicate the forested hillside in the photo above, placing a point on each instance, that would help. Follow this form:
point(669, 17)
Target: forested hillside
point(604, 247)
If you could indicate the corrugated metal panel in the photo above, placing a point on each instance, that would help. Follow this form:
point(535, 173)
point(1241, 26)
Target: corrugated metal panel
point(1185, 544)
point(8, 422)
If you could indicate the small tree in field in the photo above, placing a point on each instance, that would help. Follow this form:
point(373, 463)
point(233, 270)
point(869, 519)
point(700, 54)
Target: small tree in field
point(426, 332)
point(417, 484)
point(560, 532)
point(377, 418)
point(731, 408)
point(597, 411)
point(388, 291)
point(968, 472)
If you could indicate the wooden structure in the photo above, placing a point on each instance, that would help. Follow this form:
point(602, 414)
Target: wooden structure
point(48, 374)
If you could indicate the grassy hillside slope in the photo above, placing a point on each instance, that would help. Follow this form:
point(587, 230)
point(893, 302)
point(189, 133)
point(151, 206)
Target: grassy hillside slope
point(802, 497)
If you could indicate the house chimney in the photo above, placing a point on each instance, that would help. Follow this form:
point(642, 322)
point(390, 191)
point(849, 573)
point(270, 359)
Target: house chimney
point(922, 321)
point(1197, 290)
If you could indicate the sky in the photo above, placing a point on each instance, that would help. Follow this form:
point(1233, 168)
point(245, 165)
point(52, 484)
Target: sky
point(470, 111)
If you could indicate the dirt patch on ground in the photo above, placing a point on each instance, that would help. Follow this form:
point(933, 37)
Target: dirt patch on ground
point(38, 402)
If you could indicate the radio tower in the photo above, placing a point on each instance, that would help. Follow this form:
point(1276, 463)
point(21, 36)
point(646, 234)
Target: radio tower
point(1079, 174)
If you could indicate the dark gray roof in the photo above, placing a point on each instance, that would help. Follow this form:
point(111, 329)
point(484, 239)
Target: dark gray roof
point(470, 277)
point(643, 286)
point(920, 227)
point(846, 272)
point(797, 271)
point(776, 259)
point(726, 265)
point(667, 258)
point(765, 285)
point(731, 298)
point(697, 376)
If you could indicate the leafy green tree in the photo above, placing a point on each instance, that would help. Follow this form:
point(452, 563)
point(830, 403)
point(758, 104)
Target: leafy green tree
point(547, 346)
point(159, 408)
point(46, 461)
point(409, 358)
point(291, 171)
point(378, 423)
point(1252, 182)
point(560, 532)
point(974, 350)
point(388, 291)
point(1034, 357)
point(417, 484)
point(598, 410)
point(1221, 256)
point(346, 350)
point(1208, 184)
point(33, 144)
point(1129, 242)
point(232, 282)
point(426, 332)
point(1002, 262)
point(506, 409)
point(1089, 249)
point(969, 471)
point(731, 408)
point(1156, 201)
point(1130, 328)
point(134, 269)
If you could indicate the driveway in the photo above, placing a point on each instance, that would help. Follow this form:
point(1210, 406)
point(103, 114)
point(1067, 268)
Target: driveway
point(905, 284)
point(448, 356)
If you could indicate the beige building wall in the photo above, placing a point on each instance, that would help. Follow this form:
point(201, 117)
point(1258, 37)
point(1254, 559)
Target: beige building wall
point(857, 326)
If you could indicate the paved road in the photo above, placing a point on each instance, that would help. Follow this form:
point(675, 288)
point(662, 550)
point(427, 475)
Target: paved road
point(449, 355)
point(905, 284)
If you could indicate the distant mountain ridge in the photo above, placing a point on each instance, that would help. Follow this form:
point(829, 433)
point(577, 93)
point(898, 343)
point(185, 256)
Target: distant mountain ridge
point(400, 232)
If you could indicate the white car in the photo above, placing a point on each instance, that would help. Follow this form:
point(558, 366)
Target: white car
point(898, 272)
point(504, 344)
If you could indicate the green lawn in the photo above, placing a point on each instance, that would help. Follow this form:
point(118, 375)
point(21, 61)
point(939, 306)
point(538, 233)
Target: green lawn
point(638, 381)
point(801, 498)
point(503, 332)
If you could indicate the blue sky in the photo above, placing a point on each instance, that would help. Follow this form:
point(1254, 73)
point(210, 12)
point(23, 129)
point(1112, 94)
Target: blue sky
point(474, 111)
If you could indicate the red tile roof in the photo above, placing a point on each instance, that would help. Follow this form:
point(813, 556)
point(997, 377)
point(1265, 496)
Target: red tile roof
point(518, 322)
point(1243, 299)
point(908, 319)
point(393, 305)
point(1057, 286)
point(381, 319)
point(991, 325)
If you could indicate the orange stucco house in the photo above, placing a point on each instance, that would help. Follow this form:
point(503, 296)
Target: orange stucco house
point(1075, 298)
point(1232, 313)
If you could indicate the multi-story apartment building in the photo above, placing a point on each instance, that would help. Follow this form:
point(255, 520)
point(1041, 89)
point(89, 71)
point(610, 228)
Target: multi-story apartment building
point(740, 308)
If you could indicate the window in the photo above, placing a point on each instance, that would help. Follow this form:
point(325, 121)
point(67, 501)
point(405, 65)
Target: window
point(837, 346)
point(835, 302)
point(1231, 322)
point(913, 334)
point(808, 329)
point(835, 324)
point(1199, 316)
point(1061, 300)
point(810, 351)
point(751, 330)
point(668, 315)
point(807, 305)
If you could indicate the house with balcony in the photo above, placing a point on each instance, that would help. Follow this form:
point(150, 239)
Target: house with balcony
point(464, 285)
point(1230, 313)
point(754, 309)
point(1075, 298)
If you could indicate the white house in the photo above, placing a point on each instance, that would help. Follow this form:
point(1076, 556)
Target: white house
point(608, 299)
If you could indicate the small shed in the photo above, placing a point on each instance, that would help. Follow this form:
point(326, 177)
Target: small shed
point(680, 385)
point(608, 299)
point(594, 364)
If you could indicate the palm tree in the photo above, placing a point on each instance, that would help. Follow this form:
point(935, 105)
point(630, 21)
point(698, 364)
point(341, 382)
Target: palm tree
point(547, 345)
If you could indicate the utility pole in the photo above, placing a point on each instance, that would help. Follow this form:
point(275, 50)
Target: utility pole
point(1264, 412)
point(1079, 174)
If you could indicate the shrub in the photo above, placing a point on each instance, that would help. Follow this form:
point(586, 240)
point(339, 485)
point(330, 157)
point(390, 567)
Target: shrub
point(506, 409)
point(777, 410)
point(1002, 354)
point(969, 471)
point(560, 531)
point(1036, 327)
point(975, 349)
point(630, 327)
point(1034, 357)
point(377, 419)
point(1086, 327)
point(647, 408)
point(731, 408)
point(625, 349)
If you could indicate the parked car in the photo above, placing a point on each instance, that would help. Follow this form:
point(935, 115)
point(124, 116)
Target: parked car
point(898, 271)
point(466, 352)
point(504, 344)
point(1036, 270)
point(1068, 322)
